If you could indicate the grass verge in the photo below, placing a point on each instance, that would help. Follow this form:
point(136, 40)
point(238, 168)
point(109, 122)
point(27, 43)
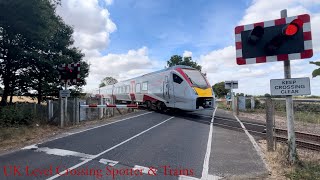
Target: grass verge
point(307, 168)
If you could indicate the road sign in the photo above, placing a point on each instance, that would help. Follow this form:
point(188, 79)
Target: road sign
point(283, 39)
point(64, 93)
point(294, 86)
point(231, 84)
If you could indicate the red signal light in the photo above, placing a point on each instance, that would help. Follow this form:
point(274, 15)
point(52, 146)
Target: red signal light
point(68, 69)
point(293, 28)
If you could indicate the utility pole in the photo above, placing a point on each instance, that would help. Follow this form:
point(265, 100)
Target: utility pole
point(289, 109)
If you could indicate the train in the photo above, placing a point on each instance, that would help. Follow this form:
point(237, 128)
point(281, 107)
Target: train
point(177, 87)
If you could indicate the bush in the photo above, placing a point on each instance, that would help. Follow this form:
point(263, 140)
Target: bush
point(15, 115)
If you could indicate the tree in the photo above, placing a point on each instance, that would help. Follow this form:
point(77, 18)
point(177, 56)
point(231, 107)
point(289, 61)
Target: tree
point(267, 95)
point(219, 89)
point(316, 72)
point(33, 41)
point(187, 61)
point(107, 81)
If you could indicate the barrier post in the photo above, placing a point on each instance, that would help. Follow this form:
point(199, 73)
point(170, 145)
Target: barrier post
point(270, 121)
point(61, 112)
point(77, 110)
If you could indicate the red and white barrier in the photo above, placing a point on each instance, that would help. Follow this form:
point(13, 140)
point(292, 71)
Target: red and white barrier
point(109, 106)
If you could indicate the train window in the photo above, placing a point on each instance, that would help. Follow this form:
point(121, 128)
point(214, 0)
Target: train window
point(177, 79)
point(138, 88)
point(145, 86)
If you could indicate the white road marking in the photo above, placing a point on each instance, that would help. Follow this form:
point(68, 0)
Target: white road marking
point(63, 152)
point(205, 170)
point(213, 177)
point(143, 169)
point(254, 143)
point(58, 152)
point(33, 146)
point(182, 177)
point(107, 150)
point(68, 134)
point(108, 162)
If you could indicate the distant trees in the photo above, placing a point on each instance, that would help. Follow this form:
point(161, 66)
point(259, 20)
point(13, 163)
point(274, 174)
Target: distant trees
point(107, 81)
point(33, 41)
point(187, 61)
point(316, 72)
point(219, 89)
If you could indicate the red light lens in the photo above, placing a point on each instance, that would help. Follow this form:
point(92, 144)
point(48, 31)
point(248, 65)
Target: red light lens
point(67, 69)
point(291, 30)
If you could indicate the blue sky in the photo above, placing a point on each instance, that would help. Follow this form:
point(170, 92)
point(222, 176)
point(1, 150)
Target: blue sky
point(127, 38)
point(170, 27)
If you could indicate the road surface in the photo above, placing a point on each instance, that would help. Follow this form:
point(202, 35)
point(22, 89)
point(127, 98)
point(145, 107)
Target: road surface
point(142, 145)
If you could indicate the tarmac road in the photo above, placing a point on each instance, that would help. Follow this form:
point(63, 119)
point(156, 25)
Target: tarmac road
point(143, 145)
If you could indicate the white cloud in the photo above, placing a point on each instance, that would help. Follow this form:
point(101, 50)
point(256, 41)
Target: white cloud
point(220, 65)
point(108, 2)
point(121, 66)
point(187, 54)
point(218, 59)
point(92, 28)
point(264, 10)
point(92, 24)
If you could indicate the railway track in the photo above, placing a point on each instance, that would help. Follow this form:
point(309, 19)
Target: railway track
point(304, 140)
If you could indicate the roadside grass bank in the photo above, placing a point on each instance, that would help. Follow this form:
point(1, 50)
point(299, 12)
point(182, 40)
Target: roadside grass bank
point(22, 128)
point(307, 167)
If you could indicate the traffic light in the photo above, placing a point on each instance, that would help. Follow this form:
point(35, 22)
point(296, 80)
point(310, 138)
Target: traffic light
point(69, 73)
point(277, 40)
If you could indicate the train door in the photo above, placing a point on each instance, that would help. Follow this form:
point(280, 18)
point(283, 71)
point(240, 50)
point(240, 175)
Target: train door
point(178, 90)
point(168, 91)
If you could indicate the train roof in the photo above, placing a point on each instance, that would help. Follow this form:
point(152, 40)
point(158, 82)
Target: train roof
point(169, 68)
point(155, 72)
point(162, 70)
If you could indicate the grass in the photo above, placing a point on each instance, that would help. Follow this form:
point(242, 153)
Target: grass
point(222, 105)
point(307, 170)
point(12, 137)
point(303, 116)
point(307, 167)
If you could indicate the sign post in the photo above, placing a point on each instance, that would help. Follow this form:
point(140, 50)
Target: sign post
point(289, 109)
point(231, 85)
point(284, 39)
point(68, 73)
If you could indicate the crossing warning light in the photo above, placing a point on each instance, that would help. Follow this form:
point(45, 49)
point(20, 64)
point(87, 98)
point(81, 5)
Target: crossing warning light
point(255, 35)
point(69, 73)
point(277, 40)
point(292, 28)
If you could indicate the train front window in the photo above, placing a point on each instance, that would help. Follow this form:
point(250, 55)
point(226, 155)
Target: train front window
point(195, 77)
point(177, 79)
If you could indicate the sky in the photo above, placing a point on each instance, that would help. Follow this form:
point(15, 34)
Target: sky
point(128, 38)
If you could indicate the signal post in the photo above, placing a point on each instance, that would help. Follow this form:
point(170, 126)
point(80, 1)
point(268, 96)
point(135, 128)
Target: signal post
point(284, 39)
point(68, 73)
